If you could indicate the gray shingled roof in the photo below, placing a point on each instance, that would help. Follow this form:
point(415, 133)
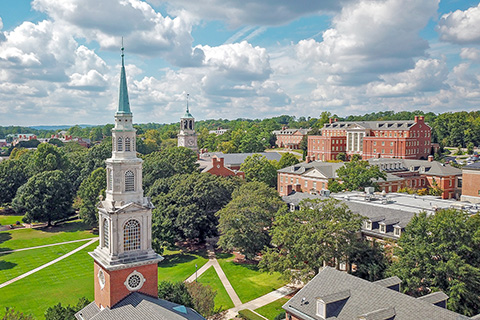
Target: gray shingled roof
point(367, 299)
point(231, 159)
point(373, 125)
point(138, 306)
point(290, 131)
point(473, 166)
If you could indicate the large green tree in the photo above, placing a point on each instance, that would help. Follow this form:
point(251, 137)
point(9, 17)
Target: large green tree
point(185, 206)
point(45, 197)
point(320, 233)
point(166, 163)
point(358, 174)
point(245, 221)
point(59, 312)
point(12, 176)
point(440, 252)
point(48, 157)
point(287, 159)
point(88, 194)
point(259, 168)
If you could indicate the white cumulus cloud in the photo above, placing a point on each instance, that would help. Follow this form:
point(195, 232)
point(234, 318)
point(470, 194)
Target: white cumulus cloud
point(461, 26)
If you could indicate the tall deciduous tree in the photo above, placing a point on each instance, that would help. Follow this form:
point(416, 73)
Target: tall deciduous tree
point(320, 233)
point(259, 168)
point(48, 157)
point(245, 221)
point(356, 175)
point(166, 163)
point(88, 194)
point(287, 159)
point(45, 197)
point(185, 206)
point(12, 176)
point(59, 312)
point(440, 252)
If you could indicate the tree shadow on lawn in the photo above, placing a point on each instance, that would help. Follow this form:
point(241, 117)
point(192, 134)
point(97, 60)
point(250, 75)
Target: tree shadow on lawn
point(5, 236)
point(179, 258)
point(73, 226)
point(4, 265)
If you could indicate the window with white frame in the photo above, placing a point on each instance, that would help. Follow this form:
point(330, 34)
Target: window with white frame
point(106, 235)
point(131, 235)
point(383, 228)
point(127, 144)
point(129, 181)
point(120, 144)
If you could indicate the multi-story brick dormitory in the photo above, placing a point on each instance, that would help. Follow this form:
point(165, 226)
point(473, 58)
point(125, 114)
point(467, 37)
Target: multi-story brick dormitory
point(289, 138)
point(313, 177)
point(372, 139)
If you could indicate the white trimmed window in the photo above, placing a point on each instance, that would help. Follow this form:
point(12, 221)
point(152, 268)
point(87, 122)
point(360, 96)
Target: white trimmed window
point(120, 144)
point(131, 235)
point(106, 235)
point(127, 144)
point(129, 181)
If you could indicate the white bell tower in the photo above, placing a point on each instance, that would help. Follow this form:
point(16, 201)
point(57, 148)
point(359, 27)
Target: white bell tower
point(187, 136)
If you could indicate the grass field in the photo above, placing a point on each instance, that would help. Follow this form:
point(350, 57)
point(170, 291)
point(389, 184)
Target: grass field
point(6, 220)
point(273, 309)
point(65, 282)
point(17, 263)
point(178, 266)
point(25, 238)
point(222, 300)
point(247, 280)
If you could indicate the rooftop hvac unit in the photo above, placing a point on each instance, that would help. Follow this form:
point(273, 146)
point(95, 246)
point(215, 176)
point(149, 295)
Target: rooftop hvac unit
point(369, 190)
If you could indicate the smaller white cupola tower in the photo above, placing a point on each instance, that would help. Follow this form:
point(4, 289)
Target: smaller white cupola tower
point(187, 136)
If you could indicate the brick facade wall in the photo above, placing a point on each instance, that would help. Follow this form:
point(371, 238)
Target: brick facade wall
point(471, 183)
point(115, 289)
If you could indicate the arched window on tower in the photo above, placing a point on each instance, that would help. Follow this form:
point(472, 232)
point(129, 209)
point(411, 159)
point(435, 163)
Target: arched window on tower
point(120, 144)
point(106, 238)
point(129, 181)
point(131, 235)
point(127, 144)
point(190, 124)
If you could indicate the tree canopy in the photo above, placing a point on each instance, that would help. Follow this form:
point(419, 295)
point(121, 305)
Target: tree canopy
point(356, 175)
point(185, 206)
point(320, 233)
point(259, 168)
point(44, 197)
point(245, 221)
point(13, 175)
point(88, 194)
point(440, 252)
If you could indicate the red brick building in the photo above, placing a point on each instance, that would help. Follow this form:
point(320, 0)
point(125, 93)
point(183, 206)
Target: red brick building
point(372, 139)
point(471, 183)
point(415, 174)
point(217, 168)
point(289, 138)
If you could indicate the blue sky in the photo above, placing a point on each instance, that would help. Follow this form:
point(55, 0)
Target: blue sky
point(59, 59)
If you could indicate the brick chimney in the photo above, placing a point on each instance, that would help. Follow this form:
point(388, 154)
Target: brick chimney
point(308, 159)
point(218, 161)
point(430, 158)
point(416, 119)
point(335, 120)
point(330, 120)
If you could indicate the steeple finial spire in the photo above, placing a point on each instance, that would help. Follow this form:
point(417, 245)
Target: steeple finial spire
point(187, 113)
point(123, 103)
point(187, 102)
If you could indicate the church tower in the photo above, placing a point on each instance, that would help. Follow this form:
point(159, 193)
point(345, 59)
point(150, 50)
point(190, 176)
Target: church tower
point(124, 261)
point(187, 136)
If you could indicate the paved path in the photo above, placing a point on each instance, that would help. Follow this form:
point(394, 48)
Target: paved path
point(212, 261)
point(47, 245)
point(262, 301)
point(48, 264)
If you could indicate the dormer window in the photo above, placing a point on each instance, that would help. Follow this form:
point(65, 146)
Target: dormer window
point(368, 225)
point(383, 228)
point(397, 231)
point(321, 309)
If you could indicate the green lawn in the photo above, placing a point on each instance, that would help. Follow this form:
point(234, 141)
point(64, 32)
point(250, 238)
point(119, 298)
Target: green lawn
point(6, 220)
point(178, 266)
point(247, 280)
point(17, 263)
point(25, 238)
point(65, 282)
point(273, 309)
point(222, 300)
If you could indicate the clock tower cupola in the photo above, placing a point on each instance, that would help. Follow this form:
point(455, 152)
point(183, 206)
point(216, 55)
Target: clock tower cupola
point(187, 136)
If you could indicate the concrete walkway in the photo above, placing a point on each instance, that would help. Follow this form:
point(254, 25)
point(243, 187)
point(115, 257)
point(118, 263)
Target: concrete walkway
point(263, 300)
point(48, 264)
point(47, 245)
point(212, 261)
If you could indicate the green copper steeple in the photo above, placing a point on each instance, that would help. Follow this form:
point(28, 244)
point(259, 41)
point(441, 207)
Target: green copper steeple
point(187, 113)
point(123, 103)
